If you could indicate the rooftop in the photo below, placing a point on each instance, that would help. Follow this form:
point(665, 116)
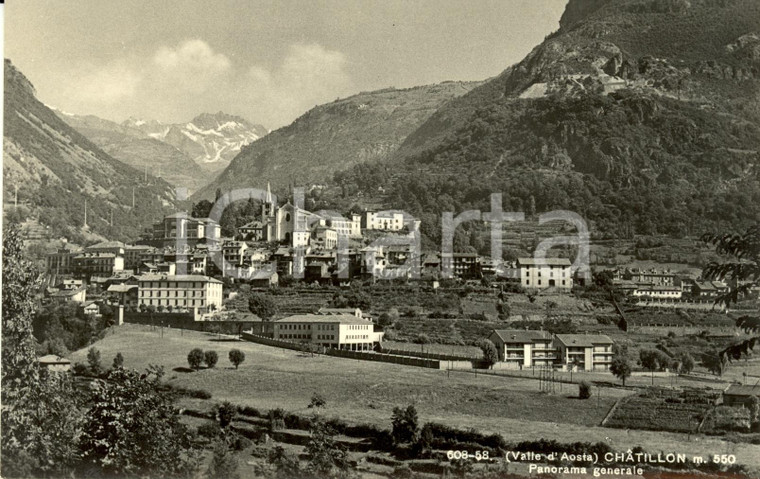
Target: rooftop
point(52, 359)
point(324, 318)
point(177, 277)
point(543, 262)
point(584, 340)
point(521, 335)
point(743, 390)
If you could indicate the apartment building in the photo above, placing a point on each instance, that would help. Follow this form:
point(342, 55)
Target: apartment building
point(587, 352)
point(181, 292)
point(524, 349)
point(87, 265)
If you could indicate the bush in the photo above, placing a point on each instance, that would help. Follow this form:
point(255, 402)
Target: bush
point(209, 430)
point(211, 358)
point(405, 424)
point(225, 413)
point(249, 411)
point(195, 358)
point(584, 390)
point(317, 400)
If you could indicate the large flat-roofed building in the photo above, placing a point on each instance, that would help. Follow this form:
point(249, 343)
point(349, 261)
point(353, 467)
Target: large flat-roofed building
point(62, 261)
point(181, 292)
point(545, 273)
point(587, 352)
point(339, 331)
point(524, 348)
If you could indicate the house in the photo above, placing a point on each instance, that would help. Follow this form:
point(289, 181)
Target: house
point(233, 252)
point(325, 236)
point(124, 294)
point(739, 395)
point(78, 295)
point(524, 348)
point(653, 276)
point(54, 363)
point(90, 308)
point(182, 292)
point(586, 352)
point(460, 265)
point(545, 273)
point(338, 331)
point(133, 256)
point(253, 231)
point(708, 289)
point(264, 278)
point(390, 220)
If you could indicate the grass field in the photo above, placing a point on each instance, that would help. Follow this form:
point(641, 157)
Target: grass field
point(366, 392)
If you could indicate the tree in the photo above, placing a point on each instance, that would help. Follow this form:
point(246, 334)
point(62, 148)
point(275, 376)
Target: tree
point(405, 424)
point(743, 272)
point(490, 353)
point(132, 427)
point(211, 358)
point(195, 358)
point(118, 361)
point(93, 360)
point(223, 464)
point(20, 280)
point(621, 367)
point(262, 306)
point(685, 363)
point(323, 453)
point(653, 359)
point(236, 357)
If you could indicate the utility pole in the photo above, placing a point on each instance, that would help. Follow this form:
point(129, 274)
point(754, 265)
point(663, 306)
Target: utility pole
point(111, 216)
point(146, 173)
point(133, 197)
point(15, 198)
point(85, 212)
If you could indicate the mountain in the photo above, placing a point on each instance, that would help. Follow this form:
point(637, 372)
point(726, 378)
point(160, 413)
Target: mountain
point(211, 140)
point(56, 170)
point(643, 116)
point(137, 148)
point(363, 128)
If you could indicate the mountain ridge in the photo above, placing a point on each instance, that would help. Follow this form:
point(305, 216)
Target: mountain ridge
point(361, 128)
point(57, 169)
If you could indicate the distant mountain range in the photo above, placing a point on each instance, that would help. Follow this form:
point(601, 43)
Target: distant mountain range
point(364, 128)
point(185, 154)
point(56, 170)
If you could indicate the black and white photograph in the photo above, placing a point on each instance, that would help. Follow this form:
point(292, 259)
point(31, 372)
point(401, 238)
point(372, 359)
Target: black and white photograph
point(380, 239)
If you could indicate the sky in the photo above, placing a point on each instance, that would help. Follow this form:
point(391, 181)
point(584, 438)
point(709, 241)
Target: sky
point(267, 61)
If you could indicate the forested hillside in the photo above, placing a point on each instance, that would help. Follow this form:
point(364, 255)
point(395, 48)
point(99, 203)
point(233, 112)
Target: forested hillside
point(56, 170)
point(641, 115)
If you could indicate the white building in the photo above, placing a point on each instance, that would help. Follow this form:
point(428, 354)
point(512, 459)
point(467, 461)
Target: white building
point(546, 273)
point(658, 292)
point(524, 348)
point(339, 331)
point(181, 292)
point(383, 220)
point(586, 352)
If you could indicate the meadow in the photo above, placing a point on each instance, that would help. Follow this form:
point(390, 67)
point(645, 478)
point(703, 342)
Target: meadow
point(366, 392)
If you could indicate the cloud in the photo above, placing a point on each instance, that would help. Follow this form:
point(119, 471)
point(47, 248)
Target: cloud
point(308, 75)
point(177, 82)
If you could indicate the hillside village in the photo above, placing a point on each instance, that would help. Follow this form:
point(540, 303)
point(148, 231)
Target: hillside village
point(183, 272)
